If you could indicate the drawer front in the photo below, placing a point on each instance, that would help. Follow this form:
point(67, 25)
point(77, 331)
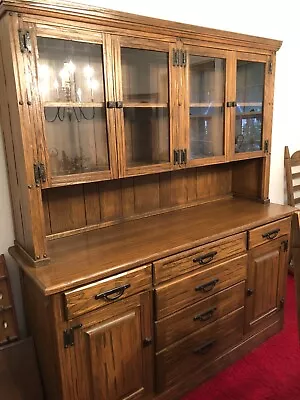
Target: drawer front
point(198, 349)
point(174, 296)
point(99, 294)
point(269, 232)
point(8, 329)
point(195, 317)
point(4, 297)
point(208, 254)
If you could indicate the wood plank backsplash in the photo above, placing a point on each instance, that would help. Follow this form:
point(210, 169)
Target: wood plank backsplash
point(86, 205)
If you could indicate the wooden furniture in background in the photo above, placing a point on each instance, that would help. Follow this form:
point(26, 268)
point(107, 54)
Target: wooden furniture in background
point(292, 178)
point(8, 321)
point(19, 375)
point(139, 155)
point(296, 258)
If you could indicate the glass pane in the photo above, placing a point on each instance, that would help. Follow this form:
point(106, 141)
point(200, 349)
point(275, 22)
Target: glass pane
point(145, 83)
point(146, 135)
point(71, 84)
point(249, 109)
point(207, 94)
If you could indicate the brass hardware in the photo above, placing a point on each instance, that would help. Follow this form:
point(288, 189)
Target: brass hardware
point(119, 291)
point(271, 234)
point(29, 186)
point(207, 258)
point(207, 287)
point(21, 102)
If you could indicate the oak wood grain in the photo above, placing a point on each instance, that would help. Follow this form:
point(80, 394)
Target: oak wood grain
point(144, 241)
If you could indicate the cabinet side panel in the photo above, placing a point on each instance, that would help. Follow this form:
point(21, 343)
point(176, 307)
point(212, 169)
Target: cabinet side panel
point(78, 208)
point(40, 321)
point(6, 129)
point(20, 141)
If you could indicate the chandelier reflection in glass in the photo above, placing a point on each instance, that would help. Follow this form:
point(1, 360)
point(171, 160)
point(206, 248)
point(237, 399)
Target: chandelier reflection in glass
point(66, 91)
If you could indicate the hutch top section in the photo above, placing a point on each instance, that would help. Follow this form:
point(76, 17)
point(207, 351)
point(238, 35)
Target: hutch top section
point(181, 114)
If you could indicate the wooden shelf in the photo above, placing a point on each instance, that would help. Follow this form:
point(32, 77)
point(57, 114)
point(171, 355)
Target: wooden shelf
point(72, 104)
point(250, 104)
point(145, 105)
point(206, 105)
point(249, 114)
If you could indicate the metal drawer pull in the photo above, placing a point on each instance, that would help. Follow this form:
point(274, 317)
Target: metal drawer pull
point(206, 258)
point(206, 315)
point(271, 235)
point(205, 348)
point(207, 287)
point(1, 296)
point(119, 291)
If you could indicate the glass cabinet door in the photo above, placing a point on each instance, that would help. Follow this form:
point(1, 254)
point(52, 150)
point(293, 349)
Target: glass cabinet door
point(250, 82)
point(72, 90)
point(206, 99)
point(144, 95)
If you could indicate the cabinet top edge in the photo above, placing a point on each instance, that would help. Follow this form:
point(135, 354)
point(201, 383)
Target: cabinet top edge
point(84, 13)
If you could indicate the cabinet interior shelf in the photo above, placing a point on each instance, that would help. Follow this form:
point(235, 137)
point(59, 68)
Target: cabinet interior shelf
point(144, 105)
point(72, 104)
point(206, 105)
point(249, 114)
point(249, 104)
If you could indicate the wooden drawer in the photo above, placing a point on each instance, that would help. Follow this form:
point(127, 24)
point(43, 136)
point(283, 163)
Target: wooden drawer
point(173, 296)
point(268, 232)
point(8, 329)
point(99, 294)
point(198, 349)
point(191, 319)
point(211, 253)
point(4, 295)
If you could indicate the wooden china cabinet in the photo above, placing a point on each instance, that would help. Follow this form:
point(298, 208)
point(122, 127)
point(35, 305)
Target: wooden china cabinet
point(138, 154)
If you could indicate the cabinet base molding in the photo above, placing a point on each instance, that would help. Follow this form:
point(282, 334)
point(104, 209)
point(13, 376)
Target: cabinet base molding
point(219, 364)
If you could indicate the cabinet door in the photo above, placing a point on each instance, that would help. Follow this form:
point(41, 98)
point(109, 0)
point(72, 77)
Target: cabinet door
point(74, 83)
point(266, 280)
point(205, 111)
point(112, 354)
point(144, 105)
point(251, 111)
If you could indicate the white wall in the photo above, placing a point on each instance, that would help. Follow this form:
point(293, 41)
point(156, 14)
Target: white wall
point(260, 18)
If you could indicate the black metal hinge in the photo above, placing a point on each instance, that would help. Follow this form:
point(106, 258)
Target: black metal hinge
point(231, 104)
point(69, 336)
point(175, 58)
point(270, 67)
point(25, 41)
point(285, 245)
point(266, 146)
point(39, 173)
point(183, 58)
